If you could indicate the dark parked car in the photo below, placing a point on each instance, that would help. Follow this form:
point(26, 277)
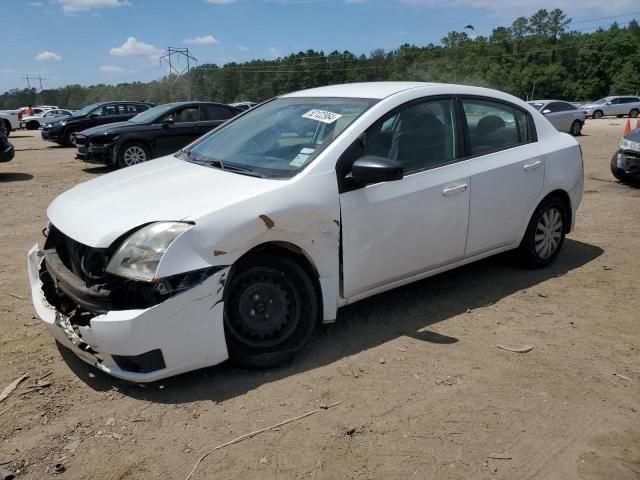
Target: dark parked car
point(159, 131)
point(6, 149)
point(625, 164)
point(64, 130)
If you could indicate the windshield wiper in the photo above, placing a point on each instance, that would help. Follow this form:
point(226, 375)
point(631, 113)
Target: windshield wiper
point(241, 170)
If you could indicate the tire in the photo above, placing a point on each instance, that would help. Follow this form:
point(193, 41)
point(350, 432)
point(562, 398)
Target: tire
point(5, 127)
point(545, 234)
point(33, 125)
point(633, 113)
point(69, 137)
point(271, 311)
point(576, 128)
point(132, 153)
point(597, 114)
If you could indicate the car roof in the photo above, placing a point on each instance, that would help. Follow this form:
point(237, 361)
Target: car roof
point(378, 90)
point(548, 101)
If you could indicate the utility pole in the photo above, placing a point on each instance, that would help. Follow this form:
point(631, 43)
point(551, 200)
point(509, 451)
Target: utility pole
point(173, 56)
point(40, 79)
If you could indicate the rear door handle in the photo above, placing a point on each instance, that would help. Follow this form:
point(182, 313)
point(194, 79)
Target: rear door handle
point(453, 189)
point(532, 166)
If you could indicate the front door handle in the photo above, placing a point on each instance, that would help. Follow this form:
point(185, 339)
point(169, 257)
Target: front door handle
point(532, 166)
point(453, 189)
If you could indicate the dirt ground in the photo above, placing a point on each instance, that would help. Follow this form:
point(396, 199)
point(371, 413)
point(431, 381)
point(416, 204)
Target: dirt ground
point(425, 392)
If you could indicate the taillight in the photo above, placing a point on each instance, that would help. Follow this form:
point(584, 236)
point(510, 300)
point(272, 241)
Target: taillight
point(19, 116)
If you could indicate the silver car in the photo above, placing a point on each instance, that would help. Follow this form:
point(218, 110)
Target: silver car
point(618, 106)
point(563, 115)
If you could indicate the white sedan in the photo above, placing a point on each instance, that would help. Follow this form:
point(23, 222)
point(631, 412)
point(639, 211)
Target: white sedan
point(37, 121)
point(243, 242)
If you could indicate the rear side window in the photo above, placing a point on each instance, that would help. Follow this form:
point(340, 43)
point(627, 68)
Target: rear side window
point(494, 126)
point(217, 112)
point(141, 108)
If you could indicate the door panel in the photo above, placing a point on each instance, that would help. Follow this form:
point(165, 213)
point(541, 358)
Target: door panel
point(504, 187)
point(397, 229)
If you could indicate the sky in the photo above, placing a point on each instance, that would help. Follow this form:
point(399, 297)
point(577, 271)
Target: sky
point(111, 41)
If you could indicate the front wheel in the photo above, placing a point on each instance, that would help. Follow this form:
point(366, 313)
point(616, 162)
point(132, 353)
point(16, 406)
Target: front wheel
point(545, 234)
point(598, 114)
point(5, 128)
point(633, 113)
point(132, 154)
point(270, 312)
point(70, 137)
point(576, 128)
point(33, 125)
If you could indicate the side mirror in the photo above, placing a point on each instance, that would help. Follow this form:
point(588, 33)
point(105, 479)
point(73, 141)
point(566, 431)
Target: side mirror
point(93, 115)
point(608, 103)
point(372, 169)
point(546, 111)
point(166, 122)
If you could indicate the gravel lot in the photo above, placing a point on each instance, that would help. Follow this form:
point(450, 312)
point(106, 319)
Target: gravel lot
point(425, 392)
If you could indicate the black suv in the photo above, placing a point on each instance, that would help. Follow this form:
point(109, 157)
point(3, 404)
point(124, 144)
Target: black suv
point(162, 130)
point(64, 130)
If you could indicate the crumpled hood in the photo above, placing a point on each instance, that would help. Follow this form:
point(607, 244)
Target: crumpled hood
point(110, 128)
point(97, 212)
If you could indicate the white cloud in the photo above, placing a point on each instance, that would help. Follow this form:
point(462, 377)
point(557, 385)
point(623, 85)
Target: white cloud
point(72, 6)
point(46, 56)
point(243, 48)
point(205, 40)
point(111, 69)
point(133, 47)
point(274, 53)
point(220, 2)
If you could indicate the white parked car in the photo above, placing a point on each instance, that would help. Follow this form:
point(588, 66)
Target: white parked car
point(240, 244)
point(9, 120)
point(37, 121)
point(618, 106)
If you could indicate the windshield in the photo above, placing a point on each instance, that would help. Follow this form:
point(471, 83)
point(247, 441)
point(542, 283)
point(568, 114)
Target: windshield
point(601, 101)
point(279, 138)
point(152, 114)
point(86, 110)
point(536, 105)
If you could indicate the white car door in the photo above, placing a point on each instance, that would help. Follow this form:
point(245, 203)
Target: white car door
point(394, 230)
point(507, 173)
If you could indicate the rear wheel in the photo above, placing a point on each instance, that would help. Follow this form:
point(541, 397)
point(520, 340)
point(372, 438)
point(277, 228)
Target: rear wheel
point(33, 125)
point(598, 114)
point(633, 113)
point(271, 311)
point(576, 128)
point(132, 153)
point(545, 234)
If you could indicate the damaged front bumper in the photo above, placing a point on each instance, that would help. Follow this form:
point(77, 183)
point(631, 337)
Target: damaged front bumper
point(628, 161)
point(88, 152)
point(183, 333)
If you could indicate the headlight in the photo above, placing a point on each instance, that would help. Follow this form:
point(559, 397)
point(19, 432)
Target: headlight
point(140, 254)
point(628, 145)
point(63, 124)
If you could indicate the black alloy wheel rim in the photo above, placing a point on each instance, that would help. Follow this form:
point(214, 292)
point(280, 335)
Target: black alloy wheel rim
point(263, 310)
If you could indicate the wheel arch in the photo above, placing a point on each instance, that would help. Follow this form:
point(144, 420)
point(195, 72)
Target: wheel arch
point(563, 196)
point(292, 252)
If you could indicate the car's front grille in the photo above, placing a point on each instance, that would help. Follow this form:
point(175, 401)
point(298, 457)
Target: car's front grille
point(87, 263)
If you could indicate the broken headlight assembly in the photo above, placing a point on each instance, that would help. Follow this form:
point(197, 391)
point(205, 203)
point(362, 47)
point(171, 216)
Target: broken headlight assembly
point(626, 144)
point(139, 255)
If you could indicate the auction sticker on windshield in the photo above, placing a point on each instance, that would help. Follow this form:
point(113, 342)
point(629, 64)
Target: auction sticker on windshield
point(322, 116)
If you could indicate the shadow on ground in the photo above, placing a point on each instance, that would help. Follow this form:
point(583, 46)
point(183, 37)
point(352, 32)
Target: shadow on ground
point(14, 177)
point(406, 311)
point(98, 170)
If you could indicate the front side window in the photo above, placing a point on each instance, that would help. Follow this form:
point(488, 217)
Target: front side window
point(279, 138)
point(418, 136)
point(493, 126)
point(185, 115)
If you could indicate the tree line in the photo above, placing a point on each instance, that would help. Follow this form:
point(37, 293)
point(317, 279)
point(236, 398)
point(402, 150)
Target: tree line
point(538, 56)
